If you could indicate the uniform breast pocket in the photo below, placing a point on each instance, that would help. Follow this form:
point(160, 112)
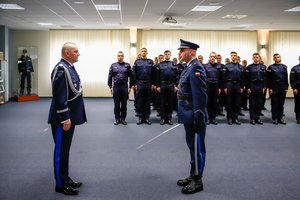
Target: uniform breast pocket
point(185, 112)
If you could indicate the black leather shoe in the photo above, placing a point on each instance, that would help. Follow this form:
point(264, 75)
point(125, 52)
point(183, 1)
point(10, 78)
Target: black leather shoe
point(147, 121)
point(162, 122)
point(246, 108)
point(282, 121)
point(252, 121)
point(184, 182)
point(170, 122)
point(194, 186)
point(298, 121)
point(221, 114)
point(236, 122)
point(117, 122)
point(67, 190)
point(73, 184)
point(258, 121)
point(261, 114)
point(275, 121)
point(123, 122)
point(139, 122)
point(241, 114)
point(229, 121)
point(214, 122)
point(264, 108)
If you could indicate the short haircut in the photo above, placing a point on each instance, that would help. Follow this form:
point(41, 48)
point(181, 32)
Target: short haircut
point(167, 51)
point(256, 54)
point(233, 52)
point(276, 54)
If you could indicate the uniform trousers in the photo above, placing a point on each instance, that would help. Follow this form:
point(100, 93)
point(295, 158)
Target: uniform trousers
point(233, 101)
point(27, 76)
point(255, 104)
point(120, 96)
point(166, 100)
point(196, 144)
point(297, 104)
point(143, 96)
point(277, 104)
point(212, 102)
point(62, 140)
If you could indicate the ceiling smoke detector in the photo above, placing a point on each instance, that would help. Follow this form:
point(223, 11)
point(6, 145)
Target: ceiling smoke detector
point(169, 20)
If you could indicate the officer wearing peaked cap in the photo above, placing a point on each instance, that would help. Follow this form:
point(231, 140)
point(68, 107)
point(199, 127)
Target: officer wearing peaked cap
point(192, 103)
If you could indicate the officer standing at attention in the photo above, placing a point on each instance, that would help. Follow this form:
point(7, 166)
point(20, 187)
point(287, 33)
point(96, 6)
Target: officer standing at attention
point(277, 82)
point(233, 88)
point(192, 102)
point(66, 111)
point(119, 74)
point(166, 86)
point(213, 84)
point(25, 69)
point(255, 85)
point(143, 75)
point(221, 96)
point(295, 84)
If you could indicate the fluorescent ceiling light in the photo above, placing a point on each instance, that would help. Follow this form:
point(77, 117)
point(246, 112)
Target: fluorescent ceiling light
point(45, 24)
point(296, 9)
point(107, 7)
point(206, 8)
point(112, 24)
point(78, 2)
point(244, 25)
point(234, 16)
point(11, 7)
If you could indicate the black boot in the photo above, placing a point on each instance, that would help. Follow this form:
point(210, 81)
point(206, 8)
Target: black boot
point(194, 186)
point(184, 182)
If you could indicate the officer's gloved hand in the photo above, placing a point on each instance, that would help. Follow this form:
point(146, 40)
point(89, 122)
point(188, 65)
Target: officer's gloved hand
point(199, 126)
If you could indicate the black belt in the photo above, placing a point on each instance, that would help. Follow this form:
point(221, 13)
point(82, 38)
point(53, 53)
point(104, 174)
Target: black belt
point(185, 97)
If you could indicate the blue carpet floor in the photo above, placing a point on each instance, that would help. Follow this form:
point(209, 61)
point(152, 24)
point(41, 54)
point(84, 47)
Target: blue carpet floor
point(244, 162)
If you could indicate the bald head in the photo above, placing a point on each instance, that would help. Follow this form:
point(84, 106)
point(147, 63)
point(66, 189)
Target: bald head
point(70, 52)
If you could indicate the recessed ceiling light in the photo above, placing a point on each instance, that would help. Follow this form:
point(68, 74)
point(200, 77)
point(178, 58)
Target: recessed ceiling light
point(78, 2)
point(234, 16)
point(11, 7)
point(45, 24)
point(107, 7)
point(296, 9)
point(206, 8)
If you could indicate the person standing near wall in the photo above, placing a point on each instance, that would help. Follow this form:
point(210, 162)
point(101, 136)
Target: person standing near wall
point(66, 111)
point(295, 84)
point(25, 68)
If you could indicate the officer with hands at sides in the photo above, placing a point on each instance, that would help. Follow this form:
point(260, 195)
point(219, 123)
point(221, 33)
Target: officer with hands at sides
point(66, 111)
point(295, 84)
point(192, 103)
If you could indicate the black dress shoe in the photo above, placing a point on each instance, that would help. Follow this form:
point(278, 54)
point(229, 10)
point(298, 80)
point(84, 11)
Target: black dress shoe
point(67, 190)
point(229, 121)
point(162, 122)
point(282, 121)
point(241, 114)
point(194, 186)
point(139, 122)
point(236, 122)
point(184, 182)
point(246, 108)
point(264, 108)
point(73, 184)
point(258, 121)
point(123, 122)
point(221, 114)
point(275, 121)
point(213, 122)
point(147, 121)
point(298, 121)
point(170, 122)
point(261, 114)
point(252, 121)
point(117, 122)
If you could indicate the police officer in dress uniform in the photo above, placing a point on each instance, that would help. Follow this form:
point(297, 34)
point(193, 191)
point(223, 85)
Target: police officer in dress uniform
point(118, 76)
point(166, 86)
point(277, 81)
point(66, 111)
point(233, 88)
point(143, 76)
point(295, 84)
point(213, 74)
point(255, 86)
point(221, 96)
point(25, 69)
point(192, 102)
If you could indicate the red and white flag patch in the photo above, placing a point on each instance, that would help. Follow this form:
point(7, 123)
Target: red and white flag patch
point(197, 74)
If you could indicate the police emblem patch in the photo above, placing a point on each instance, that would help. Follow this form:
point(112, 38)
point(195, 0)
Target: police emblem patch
point(197, 74)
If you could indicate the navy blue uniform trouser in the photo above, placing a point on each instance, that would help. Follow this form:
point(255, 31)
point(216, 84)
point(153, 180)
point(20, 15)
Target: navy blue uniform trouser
point(27, 76)
point(212, 101)
point(166, 101)
point(196, 144)
point(277, 104)
point(233, 103)
point(120, 96)
point(143, 97)
point(297, 104)
point(62, 140)
point(255, 104)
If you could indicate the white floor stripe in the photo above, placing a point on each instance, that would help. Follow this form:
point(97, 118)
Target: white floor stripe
point(166, 131)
